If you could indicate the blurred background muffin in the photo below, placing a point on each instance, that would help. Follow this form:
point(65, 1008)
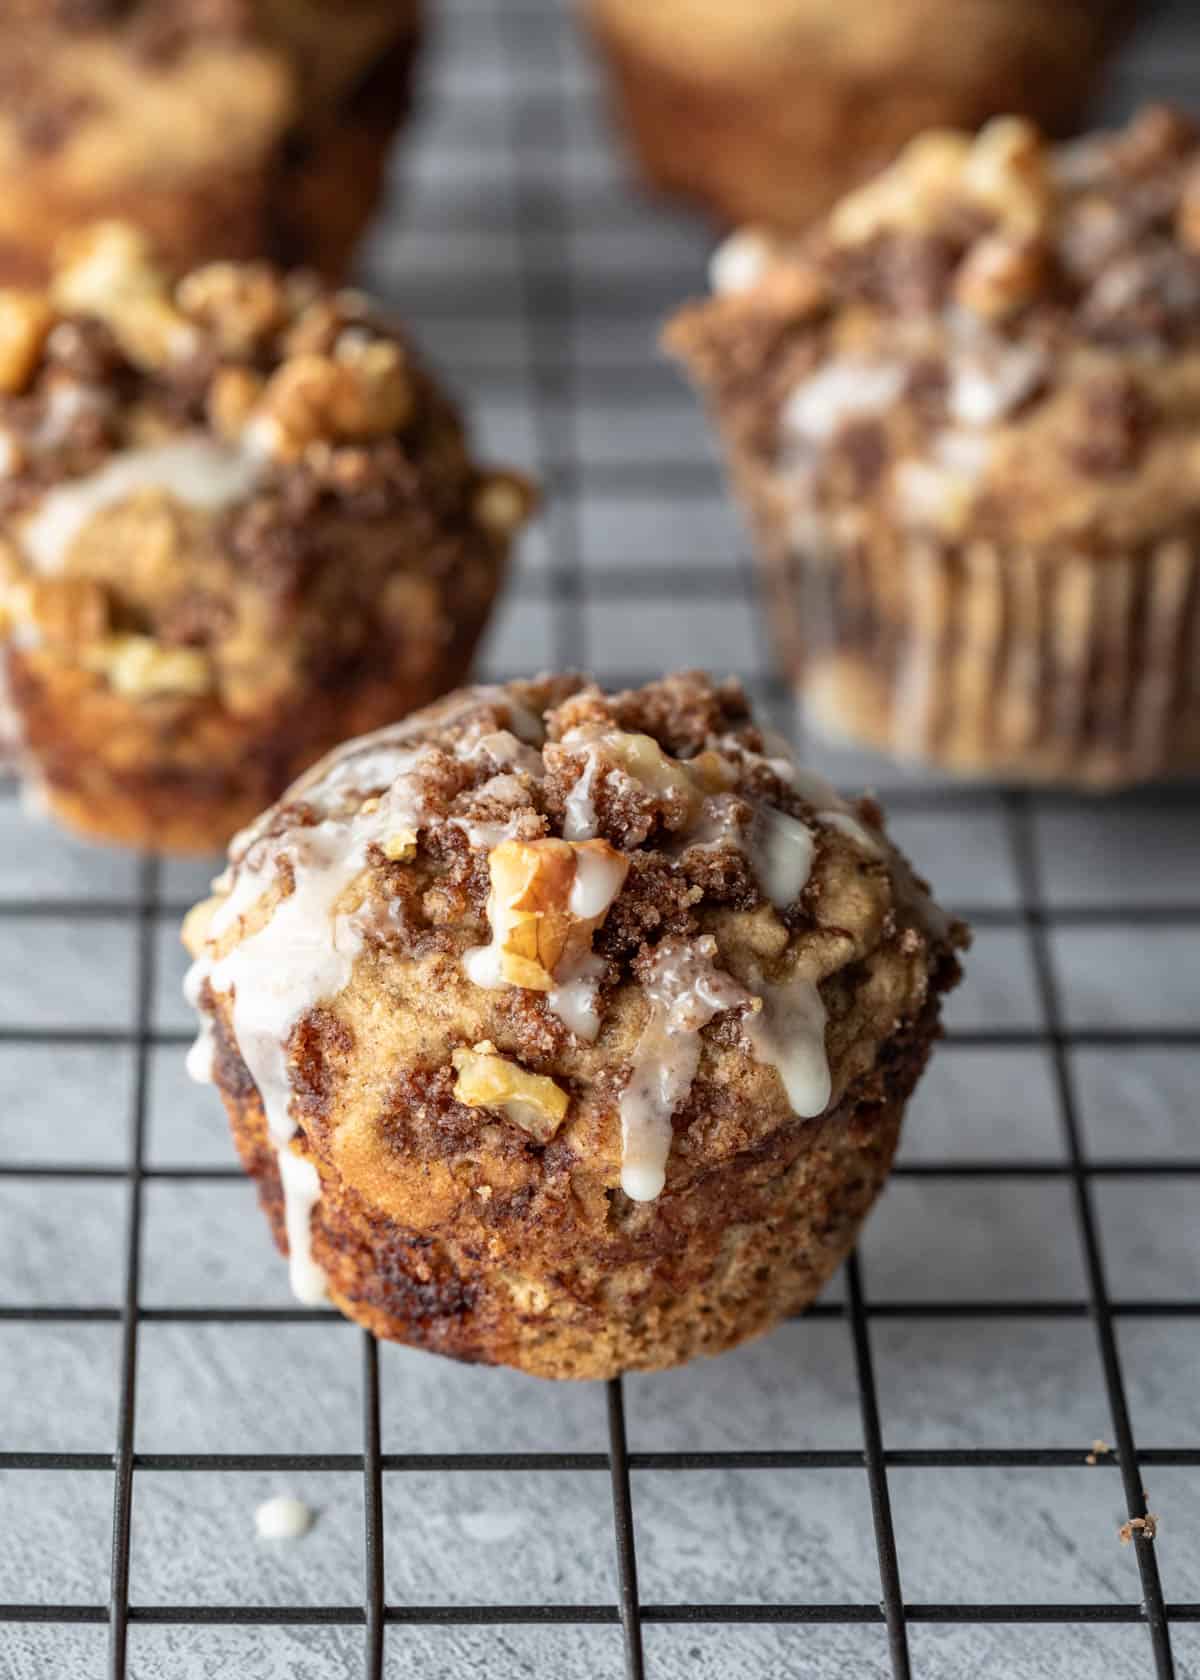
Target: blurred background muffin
point(964, 415)
point(224, 128)
point(768, 111)
point(238, 521)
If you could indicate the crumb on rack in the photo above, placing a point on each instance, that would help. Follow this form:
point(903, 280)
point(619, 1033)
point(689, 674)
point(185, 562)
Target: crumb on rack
point(1146, 1526)
point(1100, 1449)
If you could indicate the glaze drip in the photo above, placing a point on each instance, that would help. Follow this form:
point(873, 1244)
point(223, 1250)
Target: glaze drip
point(685, 990)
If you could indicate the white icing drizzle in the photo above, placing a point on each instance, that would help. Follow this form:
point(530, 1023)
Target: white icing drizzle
point(685, 991)
point(992, 379)
point(848, 824)
point(196, 470)
point(302, 955)
point(599, 876)
point(200, 1056)
point(781, 852)
point(301, 1193)
point(575, 996)
point(788, 1033)
point(841, 390)
point(579, 812)
point(739, 262)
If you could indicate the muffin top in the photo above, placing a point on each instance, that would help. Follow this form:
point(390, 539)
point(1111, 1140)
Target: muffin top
point(101, 90)
point(204, 484)
point(539, 941)
point(994, 336)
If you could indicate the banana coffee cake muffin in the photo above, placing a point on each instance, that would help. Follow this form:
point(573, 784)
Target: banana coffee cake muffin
point(963, 414)
point(769, 111)
point(224, 128)
point(238, 520)
point(565, 1030)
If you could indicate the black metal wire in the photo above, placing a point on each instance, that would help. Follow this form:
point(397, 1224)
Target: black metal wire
point(123, 1466)
point(372, 1511)
point(881, 1505)
point(1025, 853)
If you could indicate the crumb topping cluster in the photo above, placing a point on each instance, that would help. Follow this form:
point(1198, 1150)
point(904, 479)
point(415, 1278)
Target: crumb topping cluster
point(545, 848)
point(215, 417)
point(987, 334)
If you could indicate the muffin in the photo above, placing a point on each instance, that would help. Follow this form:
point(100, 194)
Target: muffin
point(564, 1030)
point(963, 416)
point(355, 68)
point(768, 112)
point(219, 126)
point(237, 520)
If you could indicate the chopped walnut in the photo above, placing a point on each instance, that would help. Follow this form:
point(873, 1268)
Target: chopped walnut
point(25, 321)
point(106, 271)
point(232, 397)
point(241, 303)
point(544, 905)
point(488, 1080)
point(999, 275)
point(139, 668)
point(503, 502)
point(401, 845)
point(1146, 1526)
point(1007, 171)
point(911, 194)
point(364, 391)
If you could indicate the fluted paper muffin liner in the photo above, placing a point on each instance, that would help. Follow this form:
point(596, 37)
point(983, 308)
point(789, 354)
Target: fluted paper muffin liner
point(999, 661)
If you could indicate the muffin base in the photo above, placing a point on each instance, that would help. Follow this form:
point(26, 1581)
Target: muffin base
point(304, 202)
point(777, 145)
point(333, 172)
point(1082, 669)
point(219, 214)
point(183, 776)
point(682, 1289)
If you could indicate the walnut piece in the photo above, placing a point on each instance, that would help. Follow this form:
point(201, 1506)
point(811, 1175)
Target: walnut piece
point(241, 303)
point(547, 899)
point(1004, 170)
point(139, 668)
point(999, 275)
point(1007, 171)
point(106, 270)
point(910, 194)
point(362, 391)
point(502, 503)
point(489, 1080)
point(25, 322)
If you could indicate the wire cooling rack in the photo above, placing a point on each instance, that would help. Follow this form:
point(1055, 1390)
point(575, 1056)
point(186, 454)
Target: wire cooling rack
point(928, 1473)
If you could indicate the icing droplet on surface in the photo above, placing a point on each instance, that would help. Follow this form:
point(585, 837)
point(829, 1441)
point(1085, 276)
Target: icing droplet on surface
point(282, 1518)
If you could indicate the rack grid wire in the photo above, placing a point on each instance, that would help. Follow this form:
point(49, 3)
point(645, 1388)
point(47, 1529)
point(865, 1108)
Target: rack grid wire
point(521, 253)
